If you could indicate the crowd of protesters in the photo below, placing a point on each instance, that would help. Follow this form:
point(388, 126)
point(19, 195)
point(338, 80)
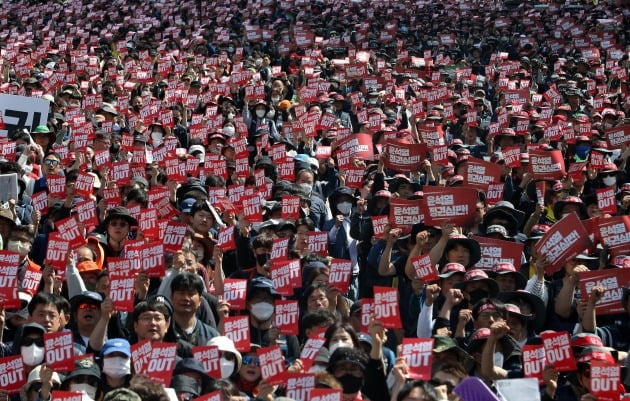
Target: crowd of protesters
point(242, 126)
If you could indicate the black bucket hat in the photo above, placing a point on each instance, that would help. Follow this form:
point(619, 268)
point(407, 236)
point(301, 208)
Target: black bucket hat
point(120, 212)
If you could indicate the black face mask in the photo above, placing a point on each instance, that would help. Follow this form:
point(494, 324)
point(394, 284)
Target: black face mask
point(477, 295)
point(262, 259)
point(350, 383)
point(114, 148)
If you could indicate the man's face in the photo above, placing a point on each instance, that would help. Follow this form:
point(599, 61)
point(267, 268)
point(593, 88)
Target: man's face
point(52, 165)
point(186, 301)
point(263, 269)
point(88, 314)
point(48, 316)
point(506, 282)
point(202, 221)
point(151, 325)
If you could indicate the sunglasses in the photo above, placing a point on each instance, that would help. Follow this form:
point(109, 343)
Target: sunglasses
point(51, 163)
point(88, 306)
point(28, 341)
point(249, 359)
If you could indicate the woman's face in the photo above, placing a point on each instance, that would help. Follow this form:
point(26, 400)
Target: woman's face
point(320, 279)
point(250, 370)
point(118, 229)
point(459, 254)
point(301, 238)
point(341, 335)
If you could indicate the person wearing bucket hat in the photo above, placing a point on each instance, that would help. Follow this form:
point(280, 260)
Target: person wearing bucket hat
point(446, 349)
point(568, 205)
point(230, 359)
point(477, 285)
point(85, 379)
point(457, 248)
point(504, 213)
point(117, 224)
point(44, 137)
point(359, 374)
point(529, 305)
point(259, 118)
point(507, 277)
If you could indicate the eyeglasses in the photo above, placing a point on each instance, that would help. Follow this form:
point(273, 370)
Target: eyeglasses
point(436, 383)
point(28, 341)
point(88, 306)
point(51, 163)
point(251, 359)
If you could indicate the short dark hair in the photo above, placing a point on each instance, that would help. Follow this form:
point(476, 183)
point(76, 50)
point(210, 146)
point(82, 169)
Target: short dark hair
point(311, 289)
point(62, 304)
point(186, 281)
point(341, 325)
point(151, 306)
point(42, 298)
point(199, 206)
point(317, 318)
point(429, 390)
point(498, 305)
point(263, 240)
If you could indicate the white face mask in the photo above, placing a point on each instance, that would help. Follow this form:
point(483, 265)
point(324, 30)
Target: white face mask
point(338, 344)
point(609, 181)
point(498, 359)
point(260, 113)
point(156, 138)
point(344, 207)
point(32, 355)
point(21, 247)
point(230, 116)
point(308, 188)
point(84, 388)
point(262, 310)
point(229, 130)
point(316, 368)
point(271, 113)
point(116, 367)
point(275, 99)
point(227, 368)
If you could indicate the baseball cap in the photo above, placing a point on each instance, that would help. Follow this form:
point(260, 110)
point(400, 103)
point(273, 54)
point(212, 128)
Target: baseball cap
point(116, 345)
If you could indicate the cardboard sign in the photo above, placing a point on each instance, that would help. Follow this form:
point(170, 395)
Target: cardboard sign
point(213, 396)
point(66, 395)
point(606, 380)
point(31, 280)
point(22, 112)
point(57, 250)
point(404, 213)
point(359, 145)
point(234, 291)
point(386, 307)
point(606, 200)
point(280, 249)
point(287, 316)
point(161, 362)
point(424, 268)
point(494, 193)
point(84, 185)
point(618, 136)
point(299, 385)
point(418, 354)
point(495, 251)
point(512, 156)
point(236, 328)
point(534, 361)
point(317, 242)
point(325, 394)
point(12, 374)
point(456, 205)
point(174, 236)
point(480, 173)
point(226, 240)
point(378, 225)
point(290, 207)
point(59, 351)
point(613, 281)
point(546, 165)
point(367, 313)
point(152, 259)
point(286, 276)
point(70, 231)
point(121, 292)
point(86, 212)
point(271, 362)
point(402, 156)
point(209, 358)
point(56, 185)
point(340, 274)
point(310, 351)
point(614, 231)
point(518, 389)
point(558, 351)
point(563, 241)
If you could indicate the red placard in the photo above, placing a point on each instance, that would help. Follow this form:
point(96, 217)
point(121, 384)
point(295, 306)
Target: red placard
point(12, 374)
point(147, 222)
point(367, 313)
point(534, 361)
point(456, 205)
point(614, 231)
point(174, 236)
point(31, 280)
point(558, 351)
point(618, 136)
point(403, 156)
point(494, 193)
point(287, 316)
point(84, 185)
point(236, 328)
point(121, 173)
point(404, 213)
point(495, 251)
point(613, 281)
point(40, 202)
point(325, 394)
point(286, 276)
point(606, 381)
point(209, 358)
point(271, 363)
point(59, 351)
point(340, 274)
point(439, 154)
point(140, 354)
point(161, 362)
point(56, 185)
point(122, 267)
point(251, 208)
point(424, 268)
point(213, 396)
point(57, 250)
point(418, 354)
point(546, 165)
point(152, 259)
point(480, 173)
point(226, 240)
point(299, 385)
point(234, 291)
point(563, 241)
point(310, 351)
point(512, 156)
point(86, 212)
point(9, 284)
point(70, 231)
point(359, 146)
point(66, 396)
point(121, 292)
point(386, 307)
point(318, 242)
point(354, 176)
point(280, 249)
point(606, 200)
point(378, 225)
